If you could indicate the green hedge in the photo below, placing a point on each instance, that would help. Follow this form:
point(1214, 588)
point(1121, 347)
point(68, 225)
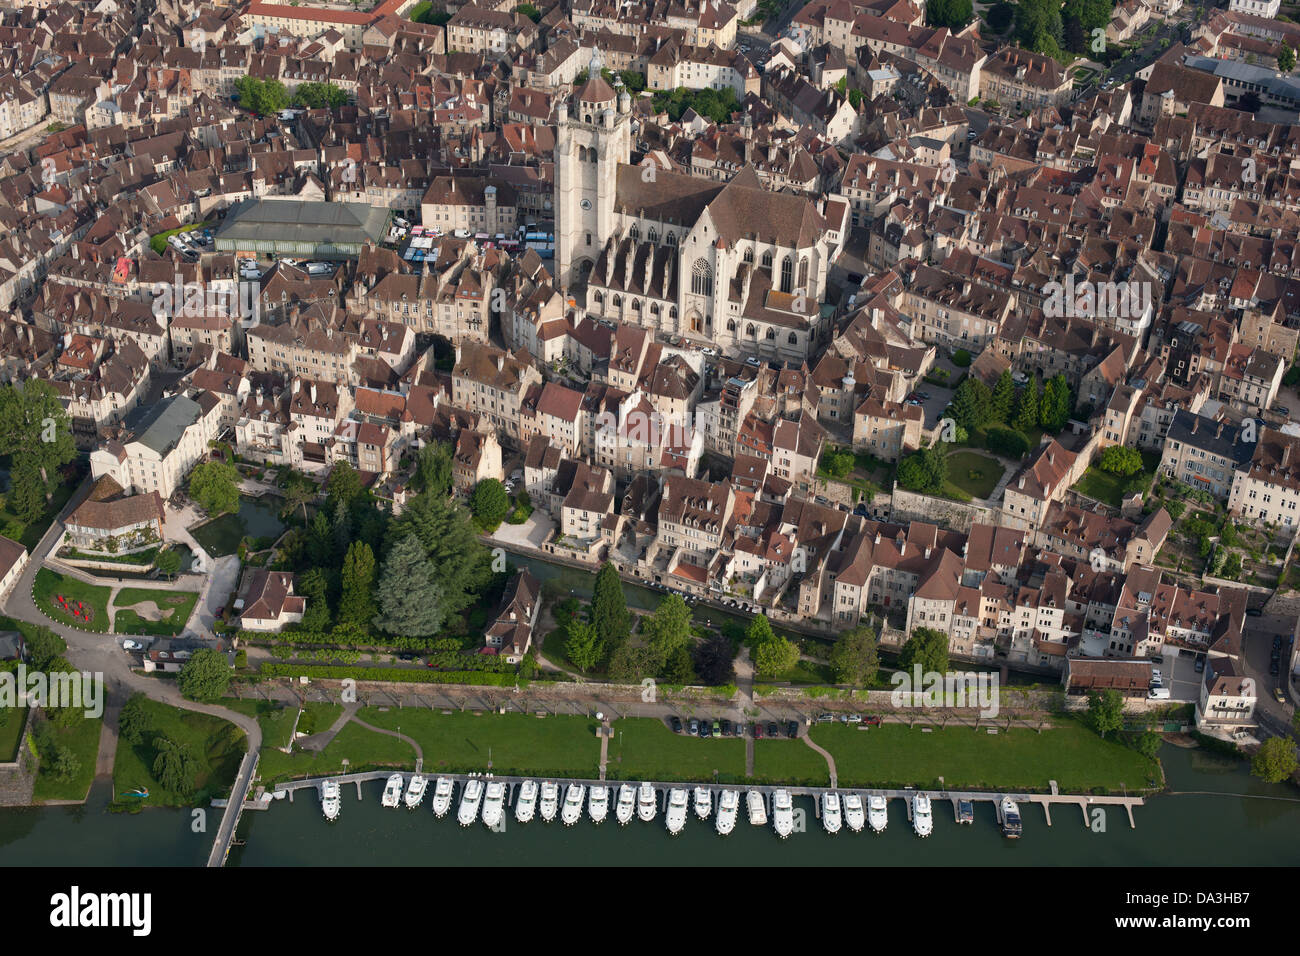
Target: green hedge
point(391, 675)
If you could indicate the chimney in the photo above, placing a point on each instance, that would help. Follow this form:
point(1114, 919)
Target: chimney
point(313, 393)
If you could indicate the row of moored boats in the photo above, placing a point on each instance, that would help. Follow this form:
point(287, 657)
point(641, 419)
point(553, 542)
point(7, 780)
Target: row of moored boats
point(485, 798)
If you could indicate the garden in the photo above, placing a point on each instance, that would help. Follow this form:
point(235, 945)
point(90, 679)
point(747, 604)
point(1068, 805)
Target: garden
point(1118, 471)
point(862, 471)
point(152, 611)
point(70, 601)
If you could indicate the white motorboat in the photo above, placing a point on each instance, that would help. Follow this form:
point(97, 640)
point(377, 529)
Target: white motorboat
point(728, 806)
point(783, 813)
point(330, 800)
point(853, 812)
point(598, 804)
point(757, 808)
point(393, 791)
point(1011, 825)
point(703, 802)
point(526, 804)
point(922, 817)
point(675, 814)
point(571, 812)
point(443, 791)
point(494, 804)
point(415, 791)
point(647, 802)
point(626, 805)
point(470, 799)
point(550, 802)
point(877, 814)
point(832, 818)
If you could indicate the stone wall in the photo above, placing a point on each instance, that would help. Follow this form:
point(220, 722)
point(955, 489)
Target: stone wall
point(958, 515)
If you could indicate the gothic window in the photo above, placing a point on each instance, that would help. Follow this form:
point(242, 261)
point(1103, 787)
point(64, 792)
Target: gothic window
point(672, 238)
point(600, 298)
point(636, 306)
point(787, 274)
point(803, 273)
point(731, 325)
point(635, 233)
point(750, 330)
point(749, 255)
point(701, 278)
point(654, 308)
point(617, 302)
point(771, 334)
point(767, 260)
point(794, 339)
point(582, 154)
point(672, 312)
point(653, 235)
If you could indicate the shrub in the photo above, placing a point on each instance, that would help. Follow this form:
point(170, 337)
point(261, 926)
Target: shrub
point(961, 358)
point(1007, 442)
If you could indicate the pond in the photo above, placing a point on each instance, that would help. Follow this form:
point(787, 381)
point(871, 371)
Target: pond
point(257, 518)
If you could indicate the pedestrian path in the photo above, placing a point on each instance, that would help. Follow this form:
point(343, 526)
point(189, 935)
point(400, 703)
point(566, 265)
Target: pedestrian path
point(830, 761)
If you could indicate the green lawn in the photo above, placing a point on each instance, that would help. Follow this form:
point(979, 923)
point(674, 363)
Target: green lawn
point(275, 720)
point(781, 760)
point(216, 745)
point(894, 755)
point(83, 740)
point(1108, 488)
point(176, 606)
point(12, 722)
point(49, 585)
point(806, 672)
point(975, 475)
point(362, 749)
point(518, 744)
point(645, 749)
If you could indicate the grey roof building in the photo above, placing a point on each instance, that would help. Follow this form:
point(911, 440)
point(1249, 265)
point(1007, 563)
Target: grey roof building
point(160, 427)
point(1205, 453)
point(296, 227)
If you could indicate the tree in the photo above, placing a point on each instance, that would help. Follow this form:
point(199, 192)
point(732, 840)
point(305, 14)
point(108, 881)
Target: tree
point(410, 602)
point(215, 486)
point(357, 604)
point(927, 647)
point(1006, 442)
point(667, 629)
point(261, 96)
point(953, 14)
point(1275, 760)
point(1003, 399)
point(316, 96)
point(205, 676)
point(609, 609)
point(1120, 460)
point(1285, 59)
point(925, 470)
point(36, 430)
point(759, 632)
point(853, 659)
point(489, 504)
point(342, 486)
point(133, 723)
point(433, 469)
point(44, 647)
point(630, 662)
point(462, 566)
point(64, 765)
point(168, 562)
point(1105, 712)
point(313, 585)
point(530, 11)
point(27, 495)
point(1038, 26)
point(775, 657)
point(1054, 410)
point(582, 646)
point(1026, 416)
point(299, 492)
point(1148, 744)
point(1001, 16)
point(714, 661)
point(972, 404)
point(174, 766)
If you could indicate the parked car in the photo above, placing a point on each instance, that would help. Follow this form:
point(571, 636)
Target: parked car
point(825, 718)
point(792, 729)
point(1277, 642)
point(1278, 695)
point(705, 729)
point(773, 730)
point(1200, 663)
point(677, 725)
point(726, 728)
point(854, 718)
point(717, 729)
point(132, 646)
point(1281, 409)
point(695, 727)
point(1254, 612)
point(758, 731)
point(871, 720)
point(1273, 668)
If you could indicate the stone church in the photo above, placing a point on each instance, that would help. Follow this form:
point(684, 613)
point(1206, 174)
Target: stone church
point(728, 264)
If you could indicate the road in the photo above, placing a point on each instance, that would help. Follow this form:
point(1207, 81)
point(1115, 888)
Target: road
point(102, 655)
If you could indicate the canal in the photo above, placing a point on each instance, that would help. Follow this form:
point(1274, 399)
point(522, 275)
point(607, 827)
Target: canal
point(1253, 824)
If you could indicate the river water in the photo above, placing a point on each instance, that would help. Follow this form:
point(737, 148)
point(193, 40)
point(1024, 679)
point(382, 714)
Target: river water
point(1172, 830)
